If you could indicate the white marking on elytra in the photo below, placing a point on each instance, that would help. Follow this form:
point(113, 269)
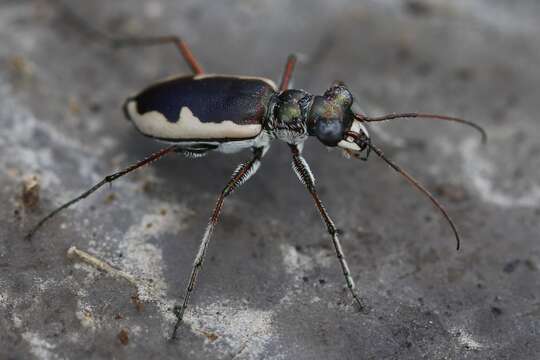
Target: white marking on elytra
point(188, 126)
point(207, 76)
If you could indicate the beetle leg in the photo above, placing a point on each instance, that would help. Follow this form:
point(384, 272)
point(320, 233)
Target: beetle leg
point(242, 173)
point(302, 170)
point(92, 32)
point(287, 73)
point(107, 179)
point(175, 40)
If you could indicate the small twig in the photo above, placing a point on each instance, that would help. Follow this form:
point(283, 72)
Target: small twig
point(101, 265)
point(242, 348)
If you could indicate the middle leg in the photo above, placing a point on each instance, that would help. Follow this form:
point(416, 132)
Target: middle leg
point(242, 173)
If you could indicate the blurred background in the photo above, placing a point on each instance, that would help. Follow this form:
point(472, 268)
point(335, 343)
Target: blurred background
point(271, 286)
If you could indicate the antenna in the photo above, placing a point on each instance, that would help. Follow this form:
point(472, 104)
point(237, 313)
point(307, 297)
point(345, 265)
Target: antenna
point(420, 188)
point(394, 116)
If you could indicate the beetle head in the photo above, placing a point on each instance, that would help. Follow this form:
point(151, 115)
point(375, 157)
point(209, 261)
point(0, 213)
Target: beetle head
point(333, 122)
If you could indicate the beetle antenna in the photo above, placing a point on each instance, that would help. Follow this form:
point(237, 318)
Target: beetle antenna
point(393, 116)
point(419, 187)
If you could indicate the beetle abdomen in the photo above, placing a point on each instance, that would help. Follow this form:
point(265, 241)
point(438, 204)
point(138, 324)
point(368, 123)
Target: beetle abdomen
point(202, 107)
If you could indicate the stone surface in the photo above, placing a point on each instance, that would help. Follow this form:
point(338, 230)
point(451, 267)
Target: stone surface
point(271, 287)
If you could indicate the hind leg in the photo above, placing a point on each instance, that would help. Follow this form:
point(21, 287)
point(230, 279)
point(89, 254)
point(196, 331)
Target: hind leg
point(242, 173)
point(180, 44)
point(97, 34)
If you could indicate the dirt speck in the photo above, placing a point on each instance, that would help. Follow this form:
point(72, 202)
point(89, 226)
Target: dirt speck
point(147, 186)
point(210, 336)
point(511, 266)
point(110, 198)
point(418, 7)
point(123, 337)
point(74, 106)
point(454, 193)
point(531, 265)
point(95, 107)
point(465, 74)
point(20, 67)
point(30, 192)
point(87, 316)
point(497, 311)
point(13, 173)
point(139, 305)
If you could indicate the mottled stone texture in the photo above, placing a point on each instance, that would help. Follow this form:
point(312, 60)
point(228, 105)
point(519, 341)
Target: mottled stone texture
point(271, 287)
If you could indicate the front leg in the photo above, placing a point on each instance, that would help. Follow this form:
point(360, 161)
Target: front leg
point(302, 170)
point(242, 173)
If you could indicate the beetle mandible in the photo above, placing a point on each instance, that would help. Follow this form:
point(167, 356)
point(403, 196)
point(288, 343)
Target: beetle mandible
point(201, 112)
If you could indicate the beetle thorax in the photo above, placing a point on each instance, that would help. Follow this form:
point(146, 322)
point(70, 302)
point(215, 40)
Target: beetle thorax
point(288, 113)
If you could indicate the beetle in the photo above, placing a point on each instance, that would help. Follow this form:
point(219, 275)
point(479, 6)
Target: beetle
point(201, 112)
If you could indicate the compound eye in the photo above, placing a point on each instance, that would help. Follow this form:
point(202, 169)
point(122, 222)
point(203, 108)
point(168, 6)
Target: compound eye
point(326, 121)
point(340, 95)
point(329, 132)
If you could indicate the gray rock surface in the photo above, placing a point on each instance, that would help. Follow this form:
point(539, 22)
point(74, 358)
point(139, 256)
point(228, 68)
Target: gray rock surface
point(271, 287)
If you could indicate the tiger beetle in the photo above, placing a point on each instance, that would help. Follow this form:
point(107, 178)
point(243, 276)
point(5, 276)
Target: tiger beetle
point(202, 112)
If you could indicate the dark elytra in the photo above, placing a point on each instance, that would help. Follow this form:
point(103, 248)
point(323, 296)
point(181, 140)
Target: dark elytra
point(212, 99)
